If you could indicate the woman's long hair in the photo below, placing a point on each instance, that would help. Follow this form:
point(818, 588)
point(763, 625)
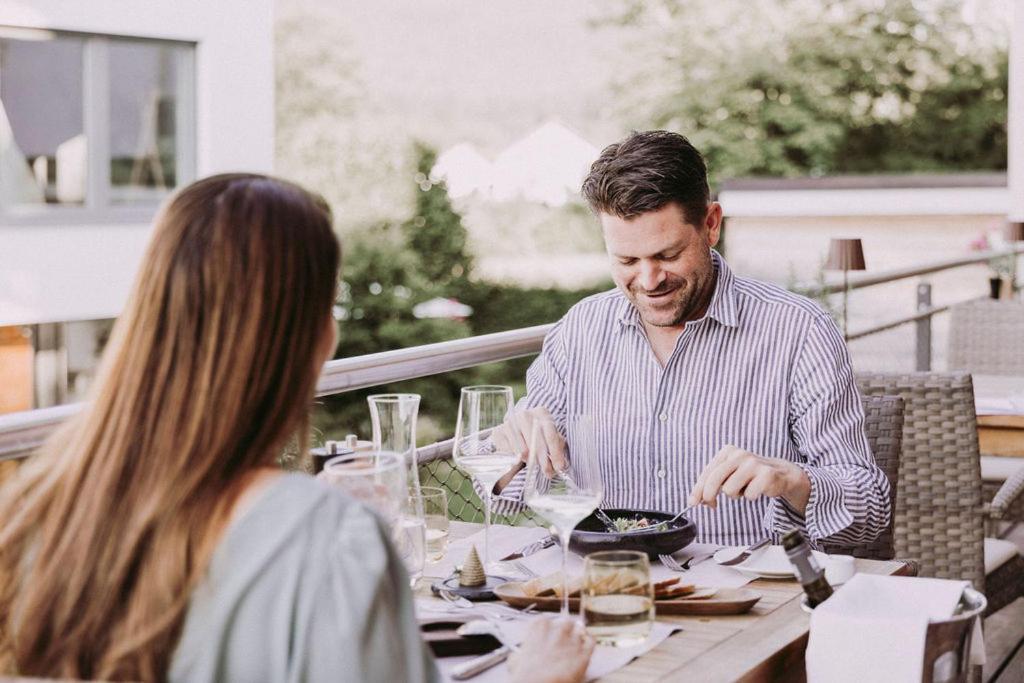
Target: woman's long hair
point(211, 368)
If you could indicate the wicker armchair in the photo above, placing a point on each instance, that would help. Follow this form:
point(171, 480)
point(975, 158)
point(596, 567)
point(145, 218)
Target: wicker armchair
point(984, 337)
point(883, 423)
point(939, 512)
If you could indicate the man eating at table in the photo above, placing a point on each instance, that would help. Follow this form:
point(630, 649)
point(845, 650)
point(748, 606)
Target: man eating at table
point(706, 388)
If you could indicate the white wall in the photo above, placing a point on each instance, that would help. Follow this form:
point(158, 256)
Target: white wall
point(78, 272)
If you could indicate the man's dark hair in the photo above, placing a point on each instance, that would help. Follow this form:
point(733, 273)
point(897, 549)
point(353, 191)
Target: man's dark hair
point(645, 172)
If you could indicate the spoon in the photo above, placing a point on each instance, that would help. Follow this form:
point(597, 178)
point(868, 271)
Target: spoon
point(606, 520)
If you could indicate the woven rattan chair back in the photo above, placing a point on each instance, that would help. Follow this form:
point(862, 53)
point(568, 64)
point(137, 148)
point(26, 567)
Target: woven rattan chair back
point(938, 501)
point(985, 337)
point(883, 424)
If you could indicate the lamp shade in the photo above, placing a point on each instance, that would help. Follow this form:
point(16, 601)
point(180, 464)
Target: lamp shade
point(845, 254)
point(1015, 231)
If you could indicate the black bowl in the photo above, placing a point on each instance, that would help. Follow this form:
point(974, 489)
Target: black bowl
point(590, 535)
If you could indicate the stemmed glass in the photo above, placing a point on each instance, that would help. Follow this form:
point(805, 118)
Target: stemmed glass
point(567, 497)
point(481, 409)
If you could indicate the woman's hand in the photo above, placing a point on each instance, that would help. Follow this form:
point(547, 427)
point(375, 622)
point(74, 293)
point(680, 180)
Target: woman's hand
point(555, 651)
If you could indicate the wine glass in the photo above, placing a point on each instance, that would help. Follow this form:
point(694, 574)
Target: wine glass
point(567, 497)
point(481, 409)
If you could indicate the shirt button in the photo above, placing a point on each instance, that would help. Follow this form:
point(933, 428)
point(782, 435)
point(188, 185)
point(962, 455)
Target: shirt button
point(663, 417)
point(661, 473)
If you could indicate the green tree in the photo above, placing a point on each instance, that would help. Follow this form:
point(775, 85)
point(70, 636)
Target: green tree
point(796, 87)
point(435, 232)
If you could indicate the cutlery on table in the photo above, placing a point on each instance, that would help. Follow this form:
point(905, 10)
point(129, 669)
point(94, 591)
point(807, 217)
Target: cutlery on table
point(687, 564)
point(484, 662)
point(745, 554)
point(530, 549)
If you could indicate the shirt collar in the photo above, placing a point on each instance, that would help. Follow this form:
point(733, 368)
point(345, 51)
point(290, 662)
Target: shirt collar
point(723, 306)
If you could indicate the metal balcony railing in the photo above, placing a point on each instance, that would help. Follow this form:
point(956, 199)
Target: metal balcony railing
point(20, 433)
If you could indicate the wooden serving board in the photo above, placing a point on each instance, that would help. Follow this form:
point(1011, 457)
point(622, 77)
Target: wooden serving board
point(703, 602)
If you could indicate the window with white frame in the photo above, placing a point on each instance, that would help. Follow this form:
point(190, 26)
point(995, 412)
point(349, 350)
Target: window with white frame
point(92, 124)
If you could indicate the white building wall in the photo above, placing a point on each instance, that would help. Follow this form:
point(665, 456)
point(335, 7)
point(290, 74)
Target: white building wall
point(78, 272)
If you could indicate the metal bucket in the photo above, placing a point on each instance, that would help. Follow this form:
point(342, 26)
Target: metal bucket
point(947, 648)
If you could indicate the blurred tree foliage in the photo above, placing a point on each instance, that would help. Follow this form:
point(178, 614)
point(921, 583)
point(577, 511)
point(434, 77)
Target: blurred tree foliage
point(388, 269)
point(798, 87)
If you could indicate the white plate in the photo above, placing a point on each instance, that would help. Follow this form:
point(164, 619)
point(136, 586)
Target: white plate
point(768, 563)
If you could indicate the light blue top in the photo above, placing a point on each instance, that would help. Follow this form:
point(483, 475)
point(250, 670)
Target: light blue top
point(303, 587)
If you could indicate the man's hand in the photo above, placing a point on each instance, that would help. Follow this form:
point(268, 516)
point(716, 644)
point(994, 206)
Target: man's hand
point(736, 472)
point(517, 435)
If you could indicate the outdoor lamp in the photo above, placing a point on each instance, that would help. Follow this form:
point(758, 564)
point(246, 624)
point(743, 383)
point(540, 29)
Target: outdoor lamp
point(845, 254)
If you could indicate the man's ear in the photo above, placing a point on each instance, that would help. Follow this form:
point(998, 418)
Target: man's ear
point(713, 223)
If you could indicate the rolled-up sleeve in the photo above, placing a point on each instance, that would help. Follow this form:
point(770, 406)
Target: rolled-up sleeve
point(849, 498)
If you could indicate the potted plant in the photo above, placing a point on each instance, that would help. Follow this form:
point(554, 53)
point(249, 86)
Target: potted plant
point(1000, 267)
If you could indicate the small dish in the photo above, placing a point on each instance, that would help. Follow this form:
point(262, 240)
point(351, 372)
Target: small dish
point(770, 562)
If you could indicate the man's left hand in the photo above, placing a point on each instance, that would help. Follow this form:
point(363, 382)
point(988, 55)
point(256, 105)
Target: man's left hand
point(736, 472)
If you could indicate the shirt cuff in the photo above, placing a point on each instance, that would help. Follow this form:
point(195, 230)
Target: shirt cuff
point(826, 513)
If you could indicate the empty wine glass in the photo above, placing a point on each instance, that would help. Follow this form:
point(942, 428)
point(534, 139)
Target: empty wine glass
point(481, 409)
point(567, 497)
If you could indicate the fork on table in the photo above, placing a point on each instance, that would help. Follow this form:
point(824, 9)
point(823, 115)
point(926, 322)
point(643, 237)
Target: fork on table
point(687, 564)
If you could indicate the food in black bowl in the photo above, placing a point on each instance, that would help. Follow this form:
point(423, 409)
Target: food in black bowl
point(648, 531)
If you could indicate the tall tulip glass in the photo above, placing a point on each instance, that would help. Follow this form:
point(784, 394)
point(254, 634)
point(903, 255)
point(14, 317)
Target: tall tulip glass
point(481, 409)
point(567, 497)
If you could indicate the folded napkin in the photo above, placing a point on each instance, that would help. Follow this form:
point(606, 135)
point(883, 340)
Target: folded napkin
point(874, 627)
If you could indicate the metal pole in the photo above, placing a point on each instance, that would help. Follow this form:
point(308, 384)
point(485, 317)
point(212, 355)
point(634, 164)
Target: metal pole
point(923, 328)
point(846, 295)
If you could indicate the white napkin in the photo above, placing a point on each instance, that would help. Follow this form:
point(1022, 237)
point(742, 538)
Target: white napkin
point(605, 659)
point(874, 628)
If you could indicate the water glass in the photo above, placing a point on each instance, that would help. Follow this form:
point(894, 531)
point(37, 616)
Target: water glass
point(374, 478)
point(617, 600)
point(394, 429)
point(410, 539)
point(434, 502)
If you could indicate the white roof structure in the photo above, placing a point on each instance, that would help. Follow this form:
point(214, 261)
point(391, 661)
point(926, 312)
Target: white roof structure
point(464, 169)
point(546, 166)
point(440, 307)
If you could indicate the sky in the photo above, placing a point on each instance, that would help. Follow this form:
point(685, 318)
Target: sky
point(482, 72)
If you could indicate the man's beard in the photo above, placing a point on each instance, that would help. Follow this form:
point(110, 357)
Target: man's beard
point(689, 297)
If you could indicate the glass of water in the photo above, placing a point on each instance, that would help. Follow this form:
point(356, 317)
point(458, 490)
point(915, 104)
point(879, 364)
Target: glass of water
point(617, 600)
point(435, 518)
point(410, 537)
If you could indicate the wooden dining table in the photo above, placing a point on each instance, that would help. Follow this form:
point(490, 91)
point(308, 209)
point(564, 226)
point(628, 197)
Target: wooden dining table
point(765, 644)
point(1000, 421)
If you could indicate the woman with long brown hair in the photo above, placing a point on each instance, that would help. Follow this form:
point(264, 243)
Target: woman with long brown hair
point(152, 537)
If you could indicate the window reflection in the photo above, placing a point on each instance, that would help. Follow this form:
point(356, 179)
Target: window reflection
point(42, 137)
point(143, 80)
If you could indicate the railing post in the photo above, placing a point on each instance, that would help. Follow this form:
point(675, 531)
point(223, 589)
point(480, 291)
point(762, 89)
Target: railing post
point(923, 331)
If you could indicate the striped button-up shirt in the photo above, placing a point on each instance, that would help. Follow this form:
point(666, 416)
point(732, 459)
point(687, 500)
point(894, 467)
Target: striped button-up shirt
point(764, 370)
